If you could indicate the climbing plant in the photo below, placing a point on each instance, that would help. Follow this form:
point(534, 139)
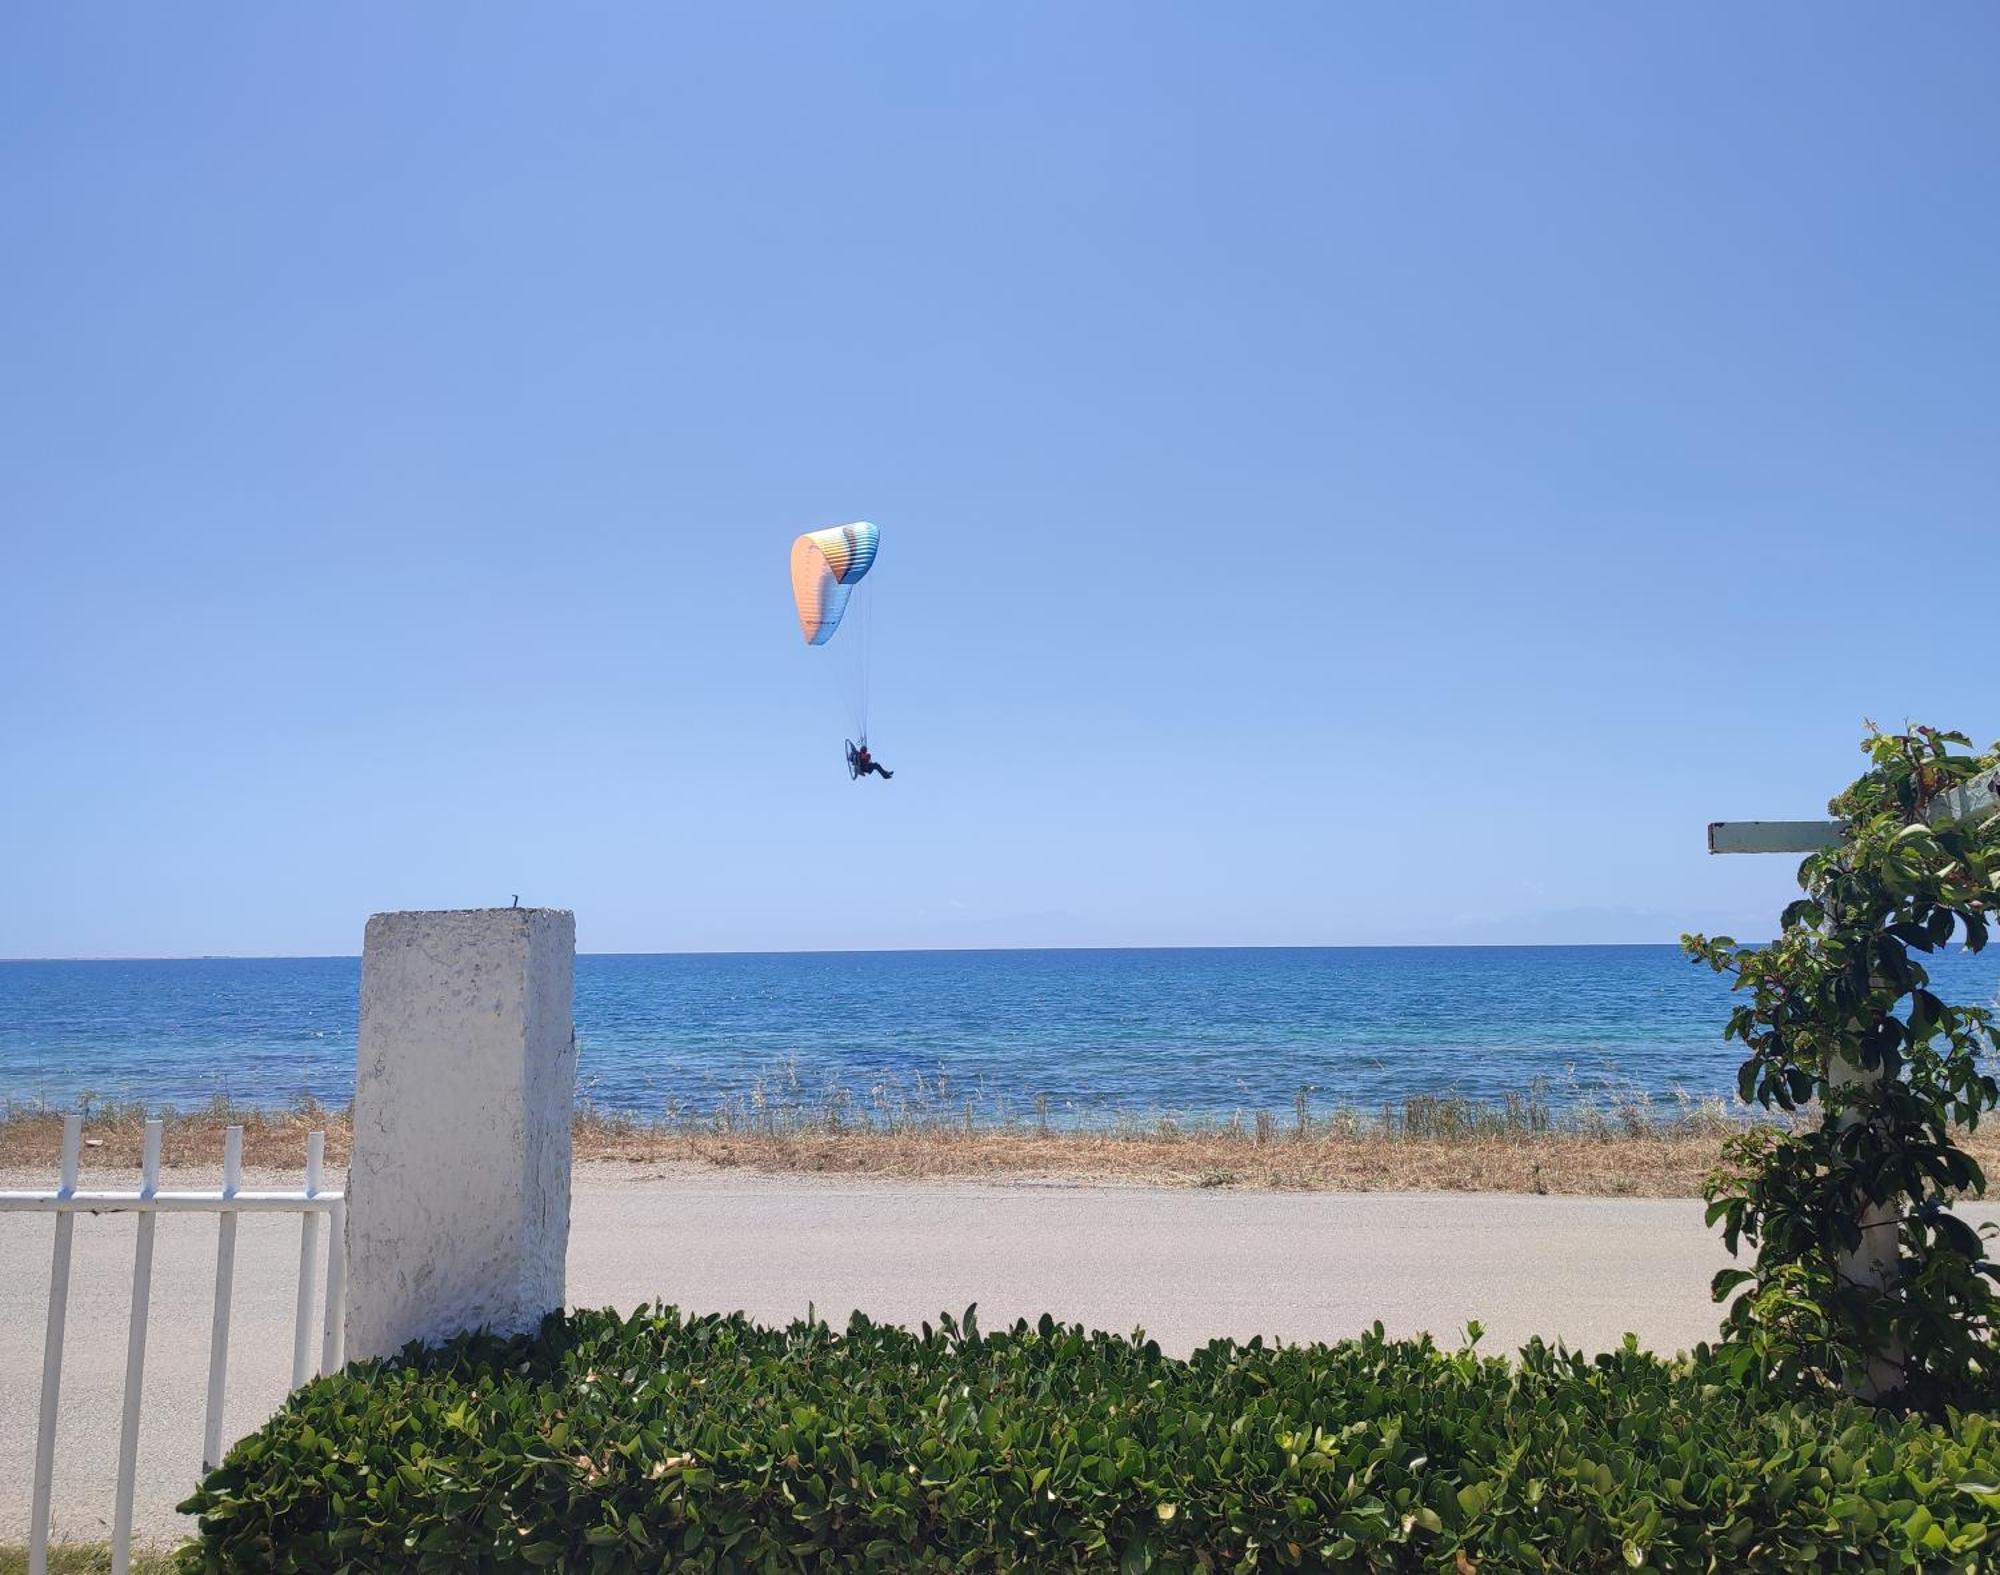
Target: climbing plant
point(1862, 1278)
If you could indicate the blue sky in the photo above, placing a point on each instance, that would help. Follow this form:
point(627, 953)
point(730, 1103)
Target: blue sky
point(1347, 474)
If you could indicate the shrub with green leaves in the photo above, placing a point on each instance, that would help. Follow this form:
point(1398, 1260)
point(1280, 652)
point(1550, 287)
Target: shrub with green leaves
point(661, 1442)
point(1863, 1275)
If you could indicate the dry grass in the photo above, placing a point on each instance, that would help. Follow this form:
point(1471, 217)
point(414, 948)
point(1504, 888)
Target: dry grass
point(1428, 1145)
point(1628, 1148)
point(1667, 1165)
point(114, 1135)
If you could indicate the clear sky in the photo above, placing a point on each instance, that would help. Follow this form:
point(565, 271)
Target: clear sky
point(1347, 474)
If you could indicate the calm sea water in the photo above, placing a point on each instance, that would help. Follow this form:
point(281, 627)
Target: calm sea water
point(1098, 1032)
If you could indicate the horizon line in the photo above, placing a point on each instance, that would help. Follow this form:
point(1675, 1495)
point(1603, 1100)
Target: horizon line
point(907, 951)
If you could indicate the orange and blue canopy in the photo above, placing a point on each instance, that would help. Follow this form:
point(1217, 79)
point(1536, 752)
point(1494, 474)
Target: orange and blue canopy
point(826, 565)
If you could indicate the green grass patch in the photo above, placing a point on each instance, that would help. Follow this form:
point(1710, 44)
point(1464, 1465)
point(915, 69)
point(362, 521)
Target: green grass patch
point(667, 1443)
point(84, 1558)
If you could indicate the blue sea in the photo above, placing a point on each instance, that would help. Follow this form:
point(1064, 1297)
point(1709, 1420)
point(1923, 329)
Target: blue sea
point(1097, 1034)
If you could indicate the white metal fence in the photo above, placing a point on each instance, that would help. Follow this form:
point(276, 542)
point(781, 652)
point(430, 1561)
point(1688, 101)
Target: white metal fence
point(465, 1082)
point(148, 1202)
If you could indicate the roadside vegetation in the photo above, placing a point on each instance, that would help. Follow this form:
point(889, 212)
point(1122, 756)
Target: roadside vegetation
point(1606, 1146)
point(1623, 1146)
point(660, 1442)
point(1862, 1278)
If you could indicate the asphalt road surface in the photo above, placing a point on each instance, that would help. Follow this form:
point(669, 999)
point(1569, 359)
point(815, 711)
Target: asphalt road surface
point(1187, 1265)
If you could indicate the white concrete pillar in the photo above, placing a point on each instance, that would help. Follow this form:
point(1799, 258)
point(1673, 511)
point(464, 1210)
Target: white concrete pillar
point(458, 1194)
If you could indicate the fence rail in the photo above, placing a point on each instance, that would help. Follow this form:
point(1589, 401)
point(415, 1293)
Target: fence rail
point(228, 1203)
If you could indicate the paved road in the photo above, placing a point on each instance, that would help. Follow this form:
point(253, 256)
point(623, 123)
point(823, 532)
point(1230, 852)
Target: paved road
point(1187, 1265)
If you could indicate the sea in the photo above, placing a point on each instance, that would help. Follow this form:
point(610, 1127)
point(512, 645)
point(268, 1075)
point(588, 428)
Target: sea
point(1074, 1038)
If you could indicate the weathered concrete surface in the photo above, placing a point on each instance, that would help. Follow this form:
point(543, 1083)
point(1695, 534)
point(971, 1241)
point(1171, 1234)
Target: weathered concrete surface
point(1188, 1265)
point(458, 1209)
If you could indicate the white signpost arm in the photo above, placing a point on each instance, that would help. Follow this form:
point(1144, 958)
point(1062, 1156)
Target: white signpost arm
point(1773, 836)
point(1974, 801)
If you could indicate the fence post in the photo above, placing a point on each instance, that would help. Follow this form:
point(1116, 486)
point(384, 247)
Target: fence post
point(458, 1190)
point(52, 1353)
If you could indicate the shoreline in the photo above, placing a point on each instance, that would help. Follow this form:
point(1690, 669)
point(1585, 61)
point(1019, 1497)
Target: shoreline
point(1667, 1157)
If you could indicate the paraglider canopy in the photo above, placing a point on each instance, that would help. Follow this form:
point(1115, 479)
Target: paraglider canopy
point(827, 569)
point(826, 566)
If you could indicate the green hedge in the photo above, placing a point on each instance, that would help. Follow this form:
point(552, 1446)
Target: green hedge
point(662, 1442)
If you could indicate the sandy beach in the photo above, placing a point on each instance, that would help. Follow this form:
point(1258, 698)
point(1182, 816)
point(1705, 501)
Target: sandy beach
point(1187, 1264)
